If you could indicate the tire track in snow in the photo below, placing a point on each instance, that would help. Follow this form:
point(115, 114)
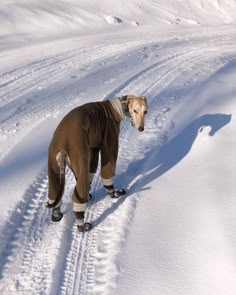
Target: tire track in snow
point(45, 73)
point(29, 256)
point(25, 115)
point(25, 77)
point(24, 110)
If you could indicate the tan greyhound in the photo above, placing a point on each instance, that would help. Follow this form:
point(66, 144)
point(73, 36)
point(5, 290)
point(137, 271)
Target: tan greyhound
point(82, 134)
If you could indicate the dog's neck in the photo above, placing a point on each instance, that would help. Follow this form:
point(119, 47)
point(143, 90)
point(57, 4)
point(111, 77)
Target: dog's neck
point(121, 107)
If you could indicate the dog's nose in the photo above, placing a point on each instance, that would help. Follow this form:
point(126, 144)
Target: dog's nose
point(140, 129)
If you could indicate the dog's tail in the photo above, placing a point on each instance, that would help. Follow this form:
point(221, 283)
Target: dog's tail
point(61, 159)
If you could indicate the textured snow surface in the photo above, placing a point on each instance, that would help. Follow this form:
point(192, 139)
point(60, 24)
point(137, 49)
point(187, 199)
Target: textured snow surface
point(26, 17)
point(174, 230)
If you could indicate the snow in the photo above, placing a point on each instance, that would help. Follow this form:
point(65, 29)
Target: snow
point(174, 230)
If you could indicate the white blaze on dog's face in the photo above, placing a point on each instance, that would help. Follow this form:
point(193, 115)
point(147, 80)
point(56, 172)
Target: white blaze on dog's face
point(137, 106)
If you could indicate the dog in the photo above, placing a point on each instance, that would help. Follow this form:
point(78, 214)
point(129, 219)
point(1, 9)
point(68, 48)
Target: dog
point(82, 134)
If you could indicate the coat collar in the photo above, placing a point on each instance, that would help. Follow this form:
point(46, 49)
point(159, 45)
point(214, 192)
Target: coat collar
point(124, 105)
point(120, 106)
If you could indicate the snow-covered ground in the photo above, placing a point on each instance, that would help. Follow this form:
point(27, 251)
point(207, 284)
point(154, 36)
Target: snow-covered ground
point(174, 232)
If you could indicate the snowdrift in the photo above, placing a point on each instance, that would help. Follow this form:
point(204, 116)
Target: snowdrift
point(54, 17)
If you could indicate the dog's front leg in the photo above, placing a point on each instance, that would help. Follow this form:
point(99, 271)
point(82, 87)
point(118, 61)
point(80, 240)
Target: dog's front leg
point(108, 166)
point(112, 192)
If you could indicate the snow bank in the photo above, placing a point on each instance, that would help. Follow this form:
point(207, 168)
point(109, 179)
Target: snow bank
point(50, 17)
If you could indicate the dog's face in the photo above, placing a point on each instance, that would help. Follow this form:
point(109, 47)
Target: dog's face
point(137, 106)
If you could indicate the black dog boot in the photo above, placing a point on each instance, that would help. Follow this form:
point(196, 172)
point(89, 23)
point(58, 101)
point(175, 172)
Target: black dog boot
point(113, 193)
point(81, 225)
point(56, 214)
point(85, 227)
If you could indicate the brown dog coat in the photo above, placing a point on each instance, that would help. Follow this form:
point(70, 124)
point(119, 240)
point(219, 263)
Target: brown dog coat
point(77, 140)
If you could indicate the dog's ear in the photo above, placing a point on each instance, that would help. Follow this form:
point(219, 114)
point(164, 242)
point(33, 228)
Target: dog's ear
point(144, 97)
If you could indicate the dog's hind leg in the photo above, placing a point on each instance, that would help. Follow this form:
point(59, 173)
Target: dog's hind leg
point(94, 155)
point(56, 176)
point(80, 164)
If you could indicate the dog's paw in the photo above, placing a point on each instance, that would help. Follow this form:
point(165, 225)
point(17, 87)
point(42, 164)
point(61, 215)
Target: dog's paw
point(57, 218)
point(85, 227)
point(117, 193)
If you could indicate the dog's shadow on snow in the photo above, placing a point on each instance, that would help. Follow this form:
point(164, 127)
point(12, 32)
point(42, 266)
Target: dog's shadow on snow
point(159, 160)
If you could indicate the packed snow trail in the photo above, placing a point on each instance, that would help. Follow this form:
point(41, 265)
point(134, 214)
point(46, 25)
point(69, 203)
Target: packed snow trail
point(36, 256)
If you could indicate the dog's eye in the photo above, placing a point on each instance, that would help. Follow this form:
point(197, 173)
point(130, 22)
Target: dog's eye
point(135, 111)
point(145, 112)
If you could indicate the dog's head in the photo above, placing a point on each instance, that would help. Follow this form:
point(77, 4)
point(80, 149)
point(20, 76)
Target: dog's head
point(137, 106)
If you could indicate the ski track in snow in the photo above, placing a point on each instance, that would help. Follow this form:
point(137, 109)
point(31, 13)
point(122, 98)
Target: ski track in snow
point(38, 257)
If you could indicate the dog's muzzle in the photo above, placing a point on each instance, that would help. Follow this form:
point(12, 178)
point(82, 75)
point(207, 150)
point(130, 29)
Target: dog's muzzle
point(141, 129)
